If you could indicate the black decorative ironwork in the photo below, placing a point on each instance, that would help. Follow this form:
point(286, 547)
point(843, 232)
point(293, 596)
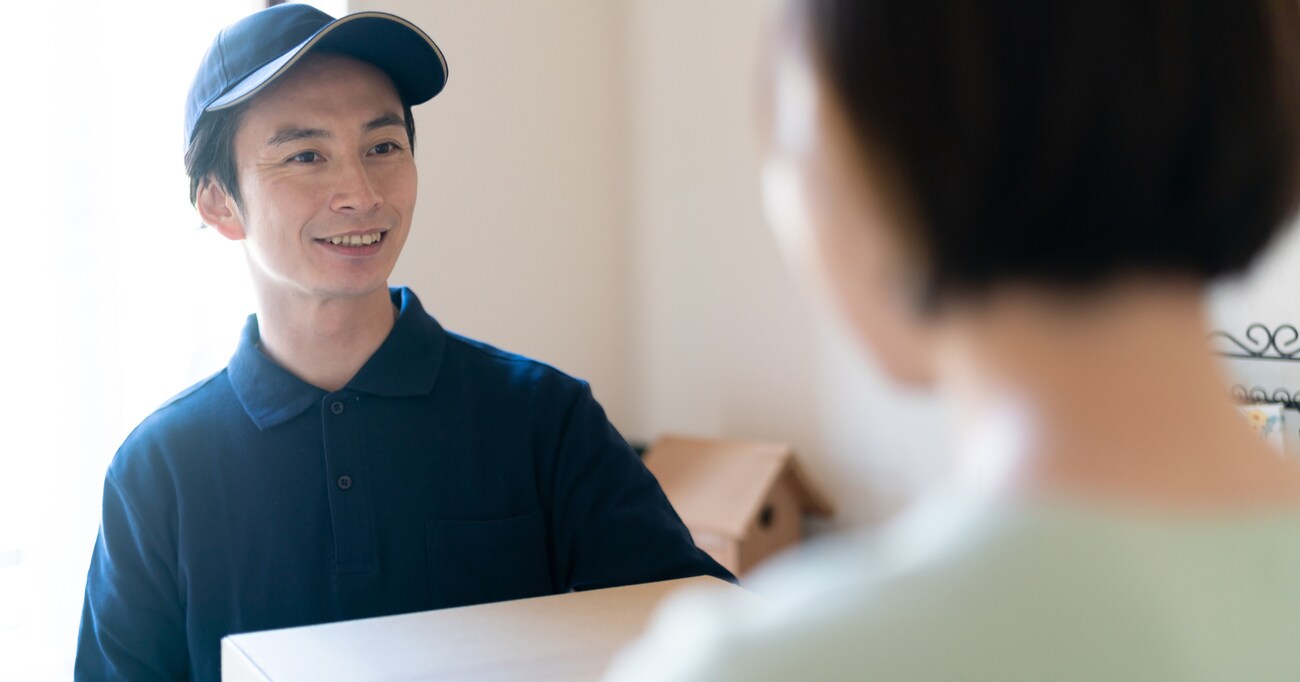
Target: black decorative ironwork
point(1258, 394)
point(1261, 343)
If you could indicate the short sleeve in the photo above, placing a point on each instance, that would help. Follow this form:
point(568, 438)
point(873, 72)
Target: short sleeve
point(613, 524)
point(132, 623)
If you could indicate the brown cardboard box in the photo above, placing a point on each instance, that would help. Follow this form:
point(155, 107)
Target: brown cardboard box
point(569, 637)
point(743, 501)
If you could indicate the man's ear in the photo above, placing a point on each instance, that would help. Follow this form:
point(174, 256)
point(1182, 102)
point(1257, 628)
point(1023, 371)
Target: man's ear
point(219, 210)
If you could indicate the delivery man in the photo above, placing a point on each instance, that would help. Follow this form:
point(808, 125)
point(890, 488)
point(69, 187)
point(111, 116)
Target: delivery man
point(354, 459)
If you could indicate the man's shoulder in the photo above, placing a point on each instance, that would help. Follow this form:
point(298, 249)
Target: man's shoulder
point(192, 405)
point(504, 368)
point(201, 390)
point(183, 419)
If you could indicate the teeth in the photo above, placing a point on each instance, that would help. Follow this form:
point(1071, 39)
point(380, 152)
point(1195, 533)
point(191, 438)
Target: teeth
point(355, 239)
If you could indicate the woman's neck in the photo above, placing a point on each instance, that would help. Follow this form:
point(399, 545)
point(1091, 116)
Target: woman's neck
point(1113, 396)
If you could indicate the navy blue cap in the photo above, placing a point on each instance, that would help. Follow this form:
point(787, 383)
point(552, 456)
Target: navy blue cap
point(251, 53)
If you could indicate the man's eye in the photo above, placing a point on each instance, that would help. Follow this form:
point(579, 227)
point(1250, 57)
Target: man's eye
point(385, 148)
point(305, 157)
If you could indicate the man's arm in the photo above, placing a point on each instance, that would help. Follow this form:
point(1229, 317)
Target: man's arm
point(133, 622)
point(612, 523)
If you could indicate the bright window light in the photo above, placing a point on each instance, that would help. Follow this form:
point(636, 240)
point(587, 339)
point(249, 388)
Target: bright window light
point(115, 299)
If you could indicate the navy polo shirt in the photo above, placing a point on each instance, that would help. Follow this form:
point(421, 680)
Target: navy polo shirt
point(446, 473)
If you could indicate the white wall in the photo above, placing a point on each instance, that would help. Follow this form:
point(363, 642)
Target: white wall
point(1270, 295)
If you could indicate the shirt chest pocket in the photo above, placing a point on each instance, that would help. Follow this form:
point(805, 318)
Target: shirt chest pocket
point(475, 562)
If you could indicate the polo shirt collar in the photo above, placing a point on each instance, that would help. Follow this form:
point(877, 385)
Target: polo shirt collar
point(406, 364)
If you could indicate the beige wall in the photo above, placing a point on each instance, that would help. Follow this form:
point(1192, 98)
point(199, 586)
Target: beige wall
point(520, 237)
point(725, 343)
point(589, 197)
point(722, 344)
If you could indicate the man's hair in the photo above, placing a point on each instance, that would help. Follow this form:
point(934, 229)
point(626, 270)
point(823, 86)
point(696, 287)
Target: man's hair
point(211, 156)
point(1068, 143)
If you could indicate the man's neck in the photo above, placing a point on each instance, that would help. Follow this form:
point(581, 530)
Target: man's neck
point(324, 342)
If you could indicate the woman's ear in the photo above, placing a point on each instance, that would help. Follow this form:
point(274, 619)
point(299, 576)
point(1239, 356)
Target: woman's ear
point(219, 210)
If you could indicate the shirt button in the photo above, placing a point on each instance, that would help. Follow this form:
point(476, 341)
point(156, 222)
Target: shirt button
point(345, 482)
point(336, 407)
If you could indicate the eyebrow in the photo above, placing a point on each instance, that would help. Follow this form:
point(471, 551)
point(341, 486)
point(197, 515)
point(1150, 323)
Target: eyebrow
point(292, 133)
point(388, 119)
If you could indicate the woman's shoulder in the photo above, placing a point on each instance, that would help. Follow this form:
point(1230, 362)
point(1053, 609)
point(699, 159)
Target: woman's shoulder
point(955, 591)
point(827, 611)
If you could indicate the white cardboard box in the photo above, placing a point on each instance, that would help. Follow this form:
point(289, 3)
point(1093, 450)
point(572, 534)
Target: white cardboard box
point(568, 637)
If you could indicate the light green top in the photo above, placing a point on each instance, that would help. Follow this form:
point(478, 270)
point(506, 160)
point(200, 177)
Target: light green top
point(964, 590)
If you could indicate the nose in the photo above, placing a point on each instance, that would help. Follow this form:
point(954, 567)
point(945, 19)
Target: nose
point(353, 190)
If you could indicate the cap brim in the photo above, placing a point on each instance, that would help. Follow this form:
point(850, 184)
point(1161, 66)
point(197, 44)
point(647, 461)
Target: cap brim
point(395, 45)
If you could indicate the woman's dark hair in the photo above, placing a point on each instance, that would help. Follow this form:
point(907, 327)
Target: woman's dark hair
point(1067, 143)
point(211, 155)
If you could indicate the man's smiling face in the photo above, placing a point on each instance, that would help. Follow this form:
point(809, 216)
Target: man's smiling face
point(327, 181)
